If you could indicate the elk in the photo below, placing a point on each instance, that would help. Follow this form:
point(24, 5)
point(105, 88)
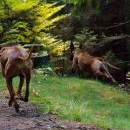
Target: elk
point(15, 61)
point(84, 62)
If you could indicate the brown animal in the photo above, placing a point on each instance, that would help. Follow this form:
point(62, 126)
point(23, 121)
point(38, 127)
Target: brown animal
point(83, 62)
point(15, 61)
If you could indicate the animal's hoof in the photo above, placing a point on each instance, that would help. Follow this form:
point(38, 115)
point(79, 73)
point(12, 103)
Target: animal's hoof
point(10, 103)
point(115, 82)
point(16, 106)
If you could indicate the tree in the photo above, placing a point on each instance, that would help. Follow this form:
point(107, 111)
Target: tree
point(23, 21)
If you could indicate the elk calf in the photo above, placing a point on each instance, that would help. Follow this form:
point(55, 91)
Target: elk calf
point(15, 61)
point(83, 62)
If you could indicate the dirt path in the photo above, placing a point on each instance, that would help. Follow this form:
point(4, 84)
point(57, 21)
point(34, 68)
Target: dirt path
point(31, 119)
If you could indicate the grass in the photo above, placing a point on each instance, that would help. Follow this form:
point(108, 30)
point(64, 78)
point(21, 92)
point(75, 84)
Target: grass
point(87, 101)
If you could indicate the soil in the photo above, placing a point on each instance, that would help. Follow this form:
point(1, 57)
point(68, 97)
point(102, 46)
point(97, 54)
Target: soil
point(30, 118)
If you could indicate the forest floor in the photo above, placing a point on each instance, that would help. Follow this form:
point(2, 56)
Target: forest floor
point(30, 118)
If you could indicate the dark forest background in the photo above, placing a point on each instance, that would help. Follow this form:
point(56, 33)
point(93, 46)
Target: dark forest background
point(102, 26)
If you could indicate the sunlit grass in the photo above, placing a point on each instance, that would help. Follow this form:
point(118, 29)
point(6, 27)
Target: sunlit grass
point(83, 100)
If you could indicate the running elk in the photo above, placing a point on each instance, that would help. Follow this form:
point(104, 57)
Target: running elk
point(15, 61)
point(84, 62)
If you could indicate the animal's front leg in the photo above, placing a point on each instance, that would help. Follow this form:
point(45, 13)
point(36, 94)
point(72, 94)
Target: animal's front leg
point(75, 67)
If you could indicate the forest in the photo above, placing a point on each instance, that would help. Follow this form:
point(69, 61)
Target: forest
point(60, 86)
point(102, 28)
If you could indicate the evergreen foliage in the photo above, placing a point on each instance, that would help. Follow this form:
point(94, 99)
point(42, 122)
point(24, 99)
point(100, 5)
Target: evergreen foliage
point(86, 37)
point(24, 21)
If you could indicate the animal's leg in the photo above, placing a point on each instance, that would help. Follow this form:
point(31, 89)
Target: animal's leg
point(75, 67)
point(72, 70)
point(78, 71)
point(106, 73)
point(99, 74)
point(28, 77)
point(110, 77)
point(12, 94)
point(20, 87)
point(8, 72)
point(11, 91)
point(75, 71)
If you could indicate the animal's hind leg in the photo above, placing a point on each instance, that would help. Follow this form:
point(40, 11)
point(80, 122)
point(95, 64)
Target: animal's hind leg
point(99, 74)
point(28, 77)
point(12, 94)
point(110, 77)
point(106, 73)
point(20, 87)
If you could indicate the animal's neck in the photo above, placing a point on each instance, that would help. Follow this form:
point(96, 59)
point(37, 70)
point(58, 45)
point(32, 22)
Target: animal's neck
point(81, 51)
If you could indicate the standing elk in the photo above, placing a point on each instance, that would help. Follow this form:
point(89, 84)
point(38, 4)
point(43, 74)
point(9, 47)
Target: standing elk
point(84, 62)
point(15, 61)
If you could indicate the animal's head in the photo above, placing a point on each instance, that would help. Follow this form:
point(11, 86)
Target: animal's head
point(74, 49)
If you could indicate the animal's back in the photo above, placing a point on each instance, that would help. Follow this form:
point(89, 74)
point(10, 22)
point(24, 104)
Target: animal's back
point(14, 59)
point(13, 52)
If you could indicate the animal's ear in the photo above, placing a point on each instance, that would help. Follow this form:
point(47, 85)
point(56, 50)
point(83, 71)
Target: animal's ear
point(71, 46)
point(80, 45)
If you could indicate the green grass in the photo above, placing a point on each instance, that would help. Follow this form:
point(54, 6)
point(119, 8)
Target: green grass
point(87, 101)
